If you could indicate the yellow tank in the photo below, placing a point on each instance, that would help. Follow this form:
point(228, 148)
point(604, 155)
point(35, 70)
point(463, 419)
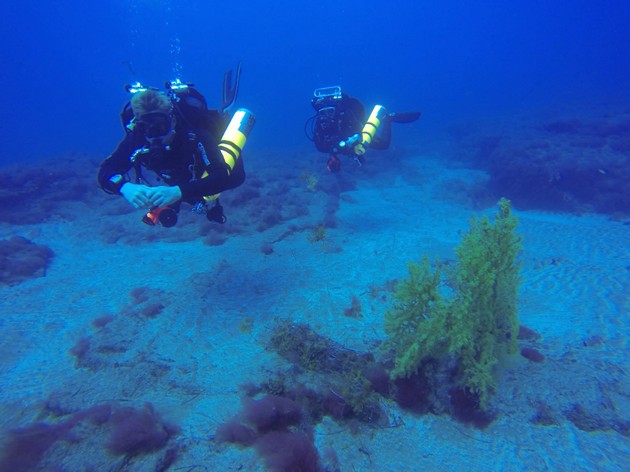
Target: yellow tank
point(369, 129)
point(233, 140)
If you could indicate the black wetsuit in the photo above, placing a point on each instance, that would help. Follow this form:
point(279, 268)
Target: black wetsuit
point(182, 164)
point(337, 122)
point(346, 119)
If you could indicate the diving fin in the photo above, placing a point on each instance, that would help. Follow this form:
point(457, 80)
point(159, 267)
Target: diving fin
point(405, 117)
point(230, 90)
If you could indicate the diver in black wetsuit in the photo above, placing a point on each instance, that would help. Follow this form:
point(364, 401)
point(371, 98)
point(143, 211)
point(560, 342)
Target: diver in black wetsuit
point(341, 126)
point(175, 150)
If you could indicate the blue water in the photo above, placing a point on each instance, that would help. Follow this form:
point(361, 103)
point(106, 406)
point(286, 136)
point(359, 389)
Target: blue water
point(111, 329)
point(64, 64)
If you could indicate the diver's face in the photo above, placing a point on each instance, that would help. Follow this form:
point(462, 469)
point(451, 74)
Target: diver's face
point(157, 128)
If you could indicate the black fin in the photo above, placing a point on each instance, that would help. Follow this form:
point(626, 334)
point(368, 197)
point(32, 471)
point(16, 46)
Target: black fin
point(405, 117)
point(230, 90)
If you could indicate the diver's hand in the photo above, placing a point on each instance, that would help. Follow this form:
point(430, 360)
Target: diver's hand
point(136, 194)
point(164, 196)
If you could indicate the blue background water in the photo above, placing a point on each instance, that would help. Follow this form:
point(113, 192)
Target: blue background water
point(64, 63)
point(63, 68)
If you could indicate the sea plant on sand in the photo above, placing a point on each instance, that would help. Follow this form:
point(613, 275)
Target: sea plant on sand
point(471, 321)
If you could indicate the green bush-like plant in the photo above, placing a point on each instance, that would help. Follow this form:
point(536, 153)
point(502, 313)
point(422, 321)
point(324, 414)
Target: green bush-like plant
point(475, 319)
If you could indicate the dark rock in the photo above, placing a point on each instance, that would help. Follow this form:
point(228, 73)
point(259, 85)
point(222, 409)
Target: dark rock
point(22, 259)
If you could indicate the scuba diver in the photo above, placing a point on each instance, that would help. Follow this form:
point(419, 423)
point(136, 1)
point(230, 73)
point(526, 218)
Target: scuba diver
point(341, 126)
point(177, 150)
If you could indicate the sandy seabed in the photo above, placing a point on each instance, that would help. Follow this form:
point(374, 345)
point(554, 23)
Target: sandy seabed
point(186, 313)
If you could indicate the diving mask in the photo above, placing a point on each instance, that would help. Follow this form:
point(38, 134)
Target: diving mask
point(157, 128)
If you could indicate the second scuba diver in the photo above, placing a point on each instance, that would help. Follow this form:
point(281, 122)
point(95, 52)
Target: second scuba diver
point(342, 127)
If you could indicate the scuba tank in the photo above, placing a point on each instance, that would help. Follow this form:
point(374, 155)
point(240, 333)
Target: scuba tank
point(233, 140)
point(369, 129)
point(230, 147)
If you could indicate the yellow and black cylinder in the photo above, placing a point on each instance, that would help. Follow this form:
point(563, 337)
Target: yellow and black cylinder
point(369, 129)
point(233, 140)
point(235, 135)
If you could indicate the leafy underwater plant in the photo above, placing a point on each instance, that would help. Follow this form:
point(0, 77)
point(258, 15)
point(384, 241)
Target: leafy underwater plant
point(310, 179)
point(476, 322)
point(318, 234)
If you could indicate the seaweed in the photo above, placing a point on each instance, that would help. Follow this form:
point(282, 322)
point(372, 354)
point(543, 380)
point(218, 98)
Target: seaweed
point(475, 321)
point(344, 391)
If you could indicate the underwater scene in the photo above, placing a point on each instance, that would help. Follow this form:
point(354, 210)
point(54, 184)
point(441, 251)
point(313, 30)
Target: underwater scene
point(333, 236)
